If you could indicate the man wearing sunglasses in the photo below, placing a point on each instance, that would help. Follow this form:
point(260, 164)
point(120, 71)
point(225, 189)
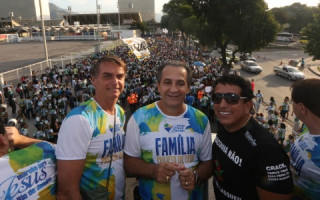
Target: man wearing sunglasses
point(305, 151)
point(248, 161)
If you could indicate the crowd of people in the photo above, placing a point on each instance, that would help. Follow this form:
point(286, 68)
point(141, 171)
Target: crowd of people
point(168, 143)
point(47, 97)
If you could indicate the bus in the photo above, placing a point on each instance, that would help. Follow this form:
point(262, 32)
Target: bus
point(285, 36)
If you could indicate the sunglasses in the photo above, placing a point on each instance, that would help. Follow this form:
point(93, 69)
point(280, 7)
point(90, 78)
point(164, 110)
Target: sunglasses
point(231, 98)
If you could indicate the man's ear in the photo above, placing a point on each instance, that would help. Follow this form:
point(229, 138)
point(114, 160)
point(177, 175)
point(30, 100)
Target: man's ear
point(249, 106)
point(302, 108)
point(2, 140)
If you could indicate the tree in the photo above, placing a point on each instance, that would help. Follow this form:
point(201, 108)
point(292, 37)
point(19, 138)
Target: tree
point(296, 16)
point(247, 24)
point(141, 26)
point(175, 12)
point(312, 31)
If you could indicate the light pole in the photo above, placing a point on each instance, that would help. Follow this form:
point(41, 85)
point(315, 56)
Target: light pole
point(98, 19)
point(43, 33)
point(69, 13)
point(130, 7)
point(119, 16)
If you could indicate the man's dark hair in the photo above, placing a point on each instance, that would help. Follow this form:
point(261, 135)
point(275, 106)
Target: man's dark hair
point(107, 58)
point(2, 130)
point(307, 92)
point(237, 80)
point(175, 63)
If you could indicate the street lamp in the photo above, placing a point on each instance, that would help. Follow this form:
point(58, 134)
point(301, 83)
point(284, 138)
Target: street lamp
point(98, 19)
point(69, 14)
point(119, 16)
point(43, 33)
point(130, 7)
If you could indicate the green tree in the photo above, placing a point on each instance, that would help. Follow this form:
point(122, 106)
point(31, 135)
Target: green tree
point(312, 31)
point(142, 26)
point(175, 12)
point(295, 17)
point(247, 24)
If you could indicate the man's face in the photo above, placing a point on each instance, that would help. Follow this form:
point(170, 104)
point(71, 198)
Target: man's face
point(173, 87)
point(109, 83)
point(296, 109)
point(232, 117)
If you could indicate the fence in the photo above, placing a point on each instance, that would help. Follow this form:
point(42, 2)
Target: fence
point(14, 76)
point(66, 38)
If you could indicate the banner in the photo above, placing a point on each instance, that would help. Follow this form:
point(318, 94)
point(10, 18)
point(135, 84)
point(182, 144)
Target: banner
point(138, 46)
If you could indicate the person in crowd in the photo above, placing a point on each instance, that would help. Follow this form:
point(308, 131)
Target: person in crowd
point(305, 152)
point(259, 100)
point(91, 139)
point(281, 132)
point(13, 104)
point(168, 143)
point(302, 64)
point(253, 84)
point(28, 173)
point(285, 108)
point(1, 97)
point(248, 161)
point(273, 101)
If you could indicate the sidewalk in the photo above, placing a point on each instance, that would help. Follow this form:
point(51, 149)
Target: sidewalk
point(315, 69)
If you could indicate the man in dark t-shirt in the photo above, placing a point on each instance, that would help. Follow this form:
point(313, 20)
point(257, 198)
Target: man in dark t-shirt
point(248, 161)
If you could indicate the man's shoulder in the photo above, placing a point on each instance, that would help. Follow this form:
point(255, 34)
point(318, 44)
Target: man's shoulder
point(84, 108)
point(259, 134)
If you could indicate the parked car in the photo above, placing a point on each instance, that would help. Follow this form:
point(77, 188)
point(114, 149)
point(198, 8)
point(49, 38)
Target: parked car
point(247, 56)
point(289, 72)
point(250, 66)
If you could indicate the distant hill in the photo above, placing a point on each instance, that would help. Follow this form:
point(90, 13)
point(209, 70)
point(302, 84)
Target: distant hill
point(56, 12)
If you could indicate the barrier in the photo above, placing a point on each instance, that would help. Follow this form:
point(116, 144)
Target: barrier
point(14, 76)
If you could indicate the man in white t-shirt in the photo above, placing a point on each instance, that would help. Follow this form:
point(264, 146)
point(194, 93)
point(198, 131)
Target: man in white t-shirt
point(91, 139)
point(305, 152)
point(168, 143)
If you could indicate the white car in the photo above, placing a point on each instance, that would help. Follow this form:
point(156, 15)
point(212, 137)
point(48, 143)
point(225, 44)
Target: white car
point(250, 66)
point(289, 72)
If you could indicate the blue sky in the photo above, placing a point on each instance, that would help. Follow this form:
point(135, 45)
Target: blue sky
point(89, 6)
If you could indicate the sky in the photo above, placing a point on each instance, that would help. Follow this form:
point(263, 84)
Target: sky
point(89, 6)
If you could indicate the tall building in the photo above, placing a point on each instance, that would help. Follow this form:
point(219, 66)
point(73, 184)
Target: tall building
point(24, 9)
point(145, 7)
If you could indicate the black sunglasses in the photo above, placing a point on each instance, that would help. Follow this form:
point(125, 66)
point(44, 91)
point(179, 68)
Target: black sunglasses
point(231, 98)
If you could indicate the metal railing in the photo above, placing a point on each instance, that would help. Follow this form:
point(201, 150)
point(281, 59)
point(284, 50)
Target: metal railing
point(14, 76)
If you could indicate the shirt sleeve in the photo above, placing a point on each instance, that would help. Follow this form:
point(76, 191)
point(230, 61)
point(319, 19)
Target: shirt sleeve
point(132, 143)
point(274, 173)
point(74, 138)
point(206, 144)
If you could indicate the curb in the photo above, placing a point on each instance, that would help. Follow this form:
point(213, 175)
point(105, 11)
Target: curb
point(313, 71)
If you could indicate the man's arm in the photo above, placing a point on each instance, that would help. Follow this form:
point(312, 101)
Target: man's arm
point(265, 195)
point(139, 168)
point(18, 140)
point(70, 172)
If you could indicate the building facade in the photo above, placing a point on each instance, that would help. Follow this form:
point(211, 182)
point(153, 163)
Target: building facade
point(24, 9)
point(145, 7)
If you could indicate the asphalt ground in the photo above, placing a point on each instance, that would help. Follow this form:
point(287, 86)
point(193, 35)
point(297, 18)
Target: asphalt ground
point(15, 55)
